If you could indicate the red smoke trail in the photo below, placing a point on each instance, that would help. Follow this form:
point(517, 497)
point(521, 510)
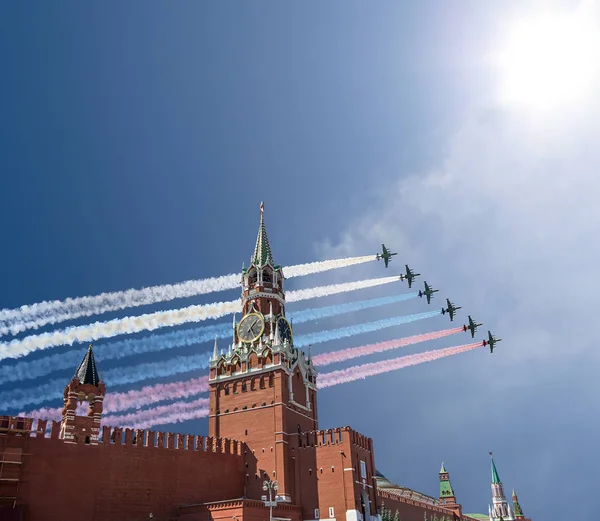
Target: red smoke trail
point(360, 372)
point(190, 411)
point(147, 418)
point(135, 399)
point(355, 352)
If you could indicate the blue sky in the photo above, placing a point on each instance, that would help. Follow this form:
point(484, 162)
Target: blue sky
point(137, 140)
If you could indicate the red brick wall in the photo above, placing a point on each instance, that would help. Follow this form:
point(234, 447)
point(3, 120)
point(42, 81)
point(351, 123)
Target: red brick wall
point(413, 510)
point(116, 481)
point(262, 417)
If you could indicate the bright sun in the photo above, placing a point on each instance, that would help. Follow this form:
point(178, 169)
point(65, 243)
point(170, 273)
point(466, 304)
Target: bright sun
point(553, 60)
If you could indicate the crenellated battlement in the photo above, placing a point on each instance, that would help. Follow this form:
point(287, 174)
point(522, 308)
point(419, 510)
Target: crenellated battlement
point(146, 438)
point(336, 436)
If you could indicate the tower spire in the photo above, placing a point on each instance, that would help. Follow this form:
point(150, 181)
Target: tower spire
point(87, 372)
point(516, 507)
point(262, 251)
point(500, 509)
point(84, 387)
point(495, 477)
point(215, 355)
point(447, 496)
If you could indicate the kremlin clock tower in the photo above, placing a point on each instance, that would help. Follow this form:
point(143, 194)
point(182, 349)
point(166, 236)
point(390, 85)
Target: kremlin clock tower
point(262, 389)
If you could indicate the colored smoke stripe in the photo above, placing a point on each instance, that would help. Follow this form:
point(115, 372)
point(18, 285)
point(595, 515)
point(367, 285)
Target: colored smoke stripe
point(137, 398)
point(18, 398)
point(160, 319)
point(188, 414)
point(142, 417)
point(32, 369)
point(360, 372)
point(34, 316)
point(327, 380)
point(357, 329)
point(355, 352)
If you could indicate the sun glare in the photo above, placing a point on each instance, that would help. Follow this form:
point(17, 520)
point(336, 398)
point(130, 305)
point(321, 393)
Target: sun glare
point(552, 61)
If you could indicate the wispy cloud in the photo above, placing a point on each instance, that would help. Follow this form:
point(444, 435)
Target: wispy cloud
point(505, 226)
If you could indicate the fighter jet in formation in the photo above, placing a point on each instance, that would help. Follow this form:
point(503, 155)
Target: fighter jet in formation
point(429, 291)
point(410, 276)
point(451, 309)
point(386, 255)
point(491, 341)
point(471, 327)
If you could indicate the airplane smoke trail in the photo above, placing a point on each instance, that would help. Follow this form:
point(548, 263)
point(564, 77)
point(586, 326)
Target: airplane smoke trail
point(28, 370)
point(189, 413)
point(366, 327)
point(136, 399)
point(141, 418)
point(160, 319)
point(355, 352)
point(17, 398)
point(34, 316)
point(360, 372)
point(326, 380)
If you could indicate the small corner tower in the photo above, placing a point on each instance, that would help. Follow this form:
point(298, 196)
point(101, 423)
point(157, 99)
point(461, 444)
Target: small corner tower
point(447, 496)
point(518, 511)
point(500, 509)
point(262, 389)
point(85, 387)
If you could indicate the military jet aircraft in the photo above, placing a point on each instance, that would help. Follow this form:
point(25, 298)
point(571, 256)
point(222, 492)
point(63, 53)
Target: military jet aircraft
point(386, 255)
point(491, 341)
point(429, 291)
point(472, 327)
point(410, 276)
point(451, 309)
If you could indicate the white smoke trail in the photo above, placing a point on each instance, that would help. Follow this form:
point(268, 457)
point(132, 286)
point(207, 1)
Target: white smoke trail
point(34, 316)
point(160, 319)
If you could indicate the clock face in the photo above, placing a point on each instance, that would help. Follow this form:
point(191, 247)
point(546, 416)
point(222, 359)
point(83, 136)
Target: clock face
point(251, 327)
point(285, 330)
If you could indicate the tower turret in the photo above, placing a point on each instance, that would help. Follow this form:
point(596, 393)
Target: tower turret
point(500, 507)
point(447, 496)
point(263, 390)
point(85, 387)
point(518, 511)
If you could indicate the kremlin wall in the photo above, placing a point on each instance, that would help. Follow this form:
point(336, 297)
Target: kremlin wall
point(263, 428)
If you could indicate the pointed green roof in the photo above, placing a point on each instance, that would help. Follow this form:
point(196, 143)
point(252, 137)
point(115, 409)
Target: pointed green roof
point(495, 477)
point(518, 511)
point(262, 251)
point(87, 372)
point(445, 485)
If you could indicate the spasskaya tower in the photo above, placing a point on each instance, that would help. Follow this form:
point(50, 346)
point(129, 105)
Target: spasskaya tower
point(262, 389)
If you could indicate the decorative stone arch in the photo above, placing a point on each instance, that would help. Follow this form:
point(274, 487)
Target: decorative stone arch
point(253, 360)
point(236, 365)
point(267, 356)
point(252, 276)
point(267, 275)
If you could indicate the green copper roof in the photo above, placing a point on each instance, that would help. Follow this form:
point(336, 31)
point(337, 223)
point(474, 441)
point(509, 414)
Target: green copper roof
point(445, 485)
point(446, 489)
point(495, 477)
point(262, 250)
point(518, 511)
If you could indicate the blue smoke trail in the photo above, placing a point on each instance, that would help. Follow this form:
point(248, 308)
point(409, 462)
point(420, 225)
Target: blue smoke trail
point(357, 329)
point(28, 370)
point(20, 398)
